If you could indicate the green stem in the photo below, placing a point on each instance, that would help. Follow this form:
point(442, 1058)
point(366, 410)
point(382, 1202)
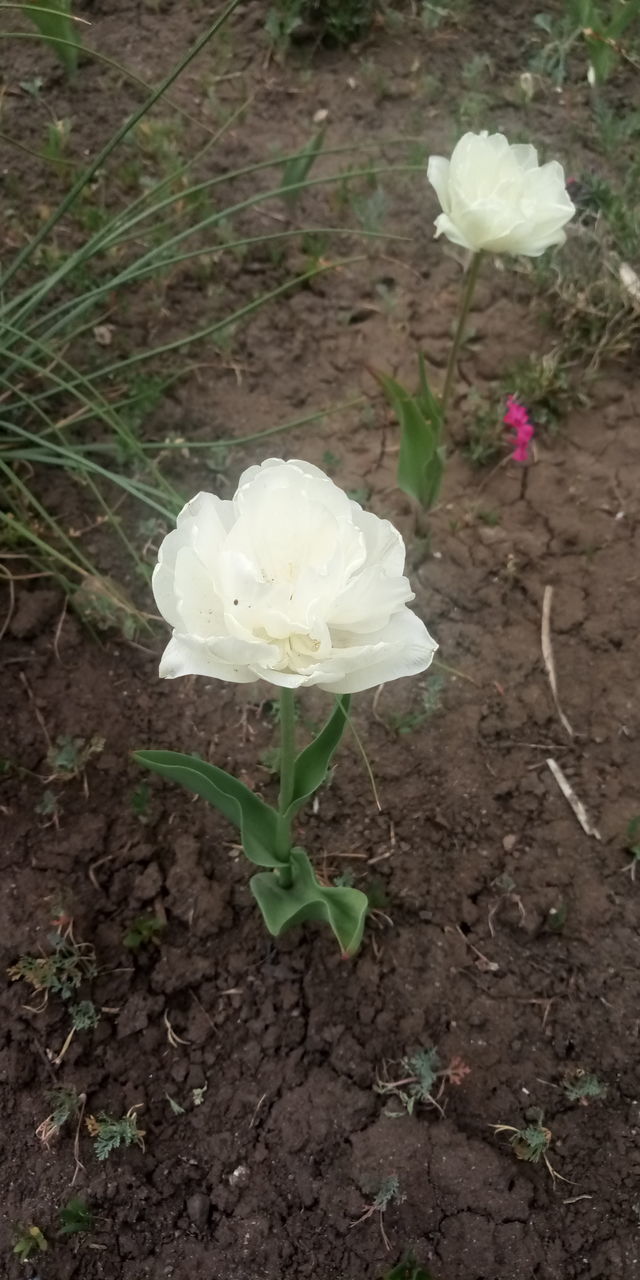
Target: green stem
point(287, 762)
point(465, 305)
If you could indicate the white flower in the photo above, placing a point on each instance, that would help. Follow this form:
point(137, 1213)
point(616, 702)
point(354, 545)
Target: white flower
point(290, 582)
point(497, 197)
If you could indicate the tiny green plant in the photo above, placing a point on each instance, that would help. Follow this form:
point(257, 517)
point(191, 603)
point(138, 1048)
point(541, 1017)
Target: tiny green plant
point(30, 1243)
point(140, 799)
point(423, 1080)
point(296, 169)
point(59, 29)
point(408, 1269)
point(75, 1218)
point(583, 1087)
point(62, 971)
point(388, 1193)
point(66, 1104)
point(633, 845)
point(142, 932)
point(109, 1133)
point(69, 756)
point(532, 1142)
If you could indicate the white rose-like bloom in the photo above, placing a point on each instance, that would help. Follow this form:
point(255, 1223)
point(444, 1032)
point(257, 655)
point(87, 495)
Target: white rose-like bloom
point(497, 197)
point(290, 582)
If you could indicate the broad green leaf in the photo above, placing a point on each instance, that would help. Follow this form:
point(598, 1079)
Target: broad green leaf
point(343, 909)
point(255, 820)
point(312, 765)
point(54, 22)
point(421, 459)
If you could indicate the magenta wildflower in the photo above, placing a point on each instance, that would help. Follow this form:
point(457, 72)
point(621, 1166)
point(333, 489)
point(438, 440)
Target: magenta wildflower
point(517, 417)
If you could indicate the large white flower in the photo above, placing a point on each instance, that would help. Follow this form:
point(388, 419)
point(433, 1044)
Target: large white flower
point(290, 582)
point(497, 197)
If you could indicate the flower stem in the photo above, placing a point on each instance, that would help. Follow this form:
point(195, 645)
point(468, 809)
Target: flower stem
point(465, 305)
point(287, 761)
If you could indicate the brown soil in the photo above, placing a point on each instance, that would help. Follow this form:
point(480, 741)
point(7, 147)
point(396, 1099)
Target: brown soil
point(476, 857)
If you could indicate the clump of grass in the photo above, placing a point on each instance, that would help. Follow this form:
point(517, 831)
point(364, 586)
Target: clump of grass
point(408, 1269)
point(633, 845)
point(109, 1133)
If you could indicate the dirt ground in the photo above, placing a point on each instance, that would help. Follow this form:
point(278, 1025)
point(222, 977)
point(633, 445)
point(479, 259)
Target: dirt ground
point(506, 936)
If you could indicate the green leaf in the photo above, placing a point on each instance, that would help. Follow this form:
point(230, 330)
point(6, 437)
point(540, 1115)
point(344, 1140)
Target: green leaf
point(297, 168)
point(422, 456)
point(312, 765)
point(54, 23)
point(255, 820)
point(343, 909)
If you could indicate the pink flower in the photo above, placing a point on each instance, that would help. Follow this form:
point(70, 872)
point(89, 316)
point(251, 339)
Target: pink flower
point(517, 417)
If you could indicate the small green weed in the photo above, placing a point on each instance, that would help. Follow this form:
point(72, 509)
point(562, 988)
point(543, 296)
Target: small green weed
point(75, 1218)
point(68, 757)
point(142, 932)
point(422, 1072)
point(532, 1142)
point(431, 701)
point(389, 1193)
point(30, 1243)
point(296, 169)
point(84, 1016)
point(140, 800)
point(109, 1134)
point(337, 21)
point(62, 971)
point(633, 845)
point(66, 1105)
point(580, 1086)
point(408, 1269)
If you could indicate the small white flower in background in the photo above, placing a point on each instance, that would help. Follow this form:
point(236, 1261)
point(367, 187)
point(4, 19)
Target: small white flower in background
point(290, 582)
point(497, 197)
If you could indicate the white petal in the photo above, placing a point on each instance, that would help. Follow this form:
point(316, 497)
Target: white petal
point(163, 580)
point(438, 176)
point(188, 656)
point(445, 226)
point(404, 648)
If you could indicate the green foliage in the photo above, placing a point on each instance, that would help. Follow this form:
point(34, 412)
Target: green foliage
point(255, 820)
point(289, 893)
point(388, 1193)
point(68, 757)
point(601, 24)
point(75, 1218)
point(422, 454)
point(343, 909)
point(56, 25)
point(30, 1243)
point(140, 799)
point(109, 1134)
point(143, 931)
point(408, 721)
point(338, 21)
point(633, 836)
point(61, 972)
point(66, 1103)
point(408, 1269)
point(582, 1087)
point(84, 1016)
point(297, 169)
